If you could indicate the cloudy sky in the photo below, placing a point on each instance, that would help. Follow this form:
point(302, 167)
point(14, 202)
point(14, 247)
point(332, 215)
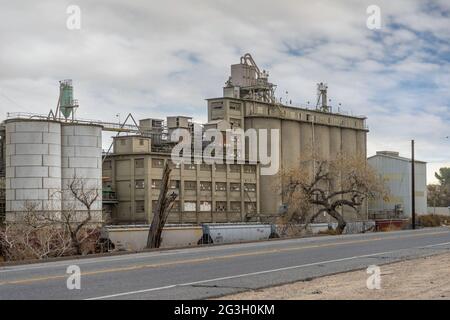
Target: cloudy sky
point(158, 58)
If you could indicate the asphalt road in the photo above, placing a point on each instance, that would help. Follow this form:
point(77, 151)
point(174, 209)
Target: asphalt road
point(199, 273)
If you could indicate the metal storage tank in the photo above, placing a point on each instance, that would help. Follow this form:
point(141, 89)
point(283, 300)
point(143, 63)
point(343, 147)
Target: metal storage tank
point(82, 160)
point(33, 166)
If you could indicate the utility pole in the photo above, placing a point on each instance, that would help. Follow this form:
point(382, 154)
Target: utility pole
point(413, 191)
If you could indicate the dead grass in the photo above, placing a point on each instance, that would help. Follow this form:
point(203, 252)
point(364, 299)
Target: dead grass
point(424, 278)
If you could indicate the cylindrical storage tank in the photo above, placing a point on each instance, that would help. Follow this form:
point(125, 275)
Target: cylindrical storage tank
point(82, 164)
point(269, 184)
point(290, 140)
point(335, 142)
point(33, 167)
point(322, 142)
point(361, 143)
point(348, 141)
point(306, 141)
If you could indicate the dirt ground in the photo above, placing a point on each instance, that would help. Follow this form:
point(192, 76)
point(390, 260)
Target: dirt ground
point(424, 278)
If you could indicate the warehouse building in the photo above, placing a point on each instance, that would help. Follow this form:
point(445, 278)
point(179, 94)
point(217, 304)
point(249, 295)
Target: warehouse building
point(396, 172)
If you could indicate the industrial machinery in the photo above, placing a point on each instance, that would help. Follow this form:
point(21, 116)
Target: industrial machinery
point(248, 82)
point(67, 105)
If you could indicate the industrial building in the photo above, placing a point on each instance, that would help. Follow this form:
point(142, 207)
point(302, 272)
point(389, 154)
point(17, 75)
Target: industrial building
point(236, 192)
point(396, 172)
point(42, 156)
point(206, 193)
point(131, 168)
point(249, 102)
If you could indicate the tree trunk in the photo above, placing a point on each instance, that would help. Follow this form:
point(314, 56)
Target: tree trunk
point(340, 220)
point(162, 210)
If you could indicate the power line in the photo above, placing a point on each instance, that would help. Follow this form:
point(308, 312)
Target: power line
point(14, 102)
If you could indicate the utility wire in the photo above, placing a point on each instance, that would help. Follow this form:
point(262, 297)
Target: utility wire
point(14, 102)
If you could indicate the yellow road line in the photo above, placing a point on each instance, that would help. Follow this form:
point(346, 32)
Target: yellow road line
point(207, 259)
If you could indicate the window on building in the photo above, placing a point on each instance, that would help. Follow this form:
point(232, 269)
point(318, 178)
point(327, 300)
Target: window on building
point(235, 187)
point(221, 167)
point(221, 186)
point(235, 122)
point(250, 207)
point(190, 206)
point(139, 184)
point(249, 169)
point(190, 166)
point(107, 164)
point(141, 142)
point(174, 184)
point(140, 206)
point(221, 206)
point(156, 184)
point(173, 165)
point(205, 206)
point(205, 186)
point(235, 168)
point(190, 185)
point(235, 206)
point(157, 163)
point(250, 187)
point(205, 167)
point(154, 204)
point(123, 142)
point(235, 106)
point(139, 163)
point(176, 206)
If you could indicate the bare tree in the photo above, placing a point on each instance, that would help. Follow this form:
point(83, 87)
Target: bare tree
point(34, 237)
point(161, 213)
point(51, 232)
point(72, 220)
point(329, 188)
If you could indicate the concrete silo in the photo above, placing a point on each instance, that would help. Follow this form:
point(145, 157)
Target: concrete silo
point(81, 163)
point(43, 157)
point(33, 166)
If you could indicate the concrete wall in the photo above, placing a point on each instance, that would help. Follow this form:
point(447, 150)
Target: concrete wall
point(439, 210)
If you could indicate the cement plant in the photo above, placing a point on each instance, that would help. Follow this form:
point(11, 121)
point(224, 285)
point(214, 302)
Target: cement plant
point(252, 151)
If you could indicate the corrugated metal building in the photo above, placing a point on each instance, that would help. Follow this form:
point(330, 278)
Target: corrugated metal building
point(396, 171)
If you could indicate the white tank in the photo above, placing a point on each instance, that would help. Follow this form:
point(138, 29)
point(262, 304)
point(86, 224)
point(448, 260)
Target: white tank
point(82, 162)
point(33, 166)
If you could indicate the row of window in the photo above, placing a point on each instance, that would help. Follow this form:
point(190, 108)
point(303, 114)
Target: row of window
point(191, 206)
point(159, 163)
point(192, 185)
